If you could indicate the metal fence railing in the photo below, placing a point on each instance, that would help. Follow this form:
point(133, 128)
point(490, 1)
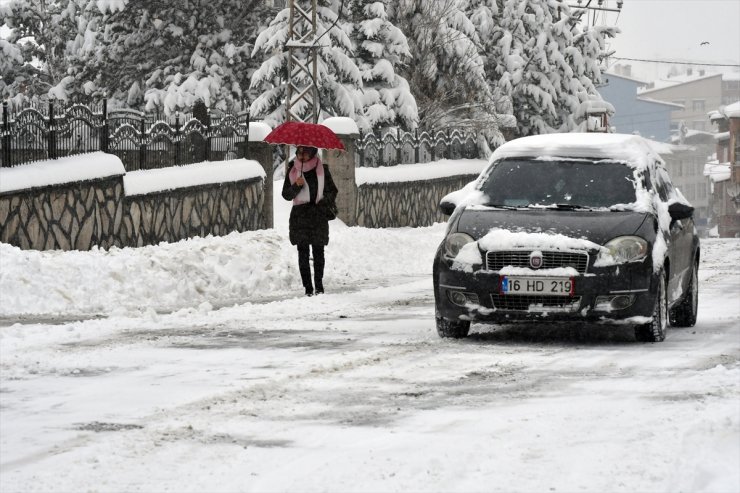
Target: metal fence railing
point(393, 146)
point(140, 140)
point(148, 141)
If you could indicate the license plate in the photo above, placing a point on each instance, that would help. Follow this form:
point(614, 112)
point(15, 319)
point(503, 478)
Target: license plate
point(554, 286)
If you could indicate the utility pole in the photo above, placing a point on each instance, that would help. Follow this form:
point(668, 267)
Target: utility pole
point(301, 102)
point(597, 6)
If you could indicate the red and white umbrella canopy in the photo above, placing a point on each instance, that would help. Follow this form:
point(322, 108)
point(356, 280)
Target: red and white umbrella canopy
point(305, 134)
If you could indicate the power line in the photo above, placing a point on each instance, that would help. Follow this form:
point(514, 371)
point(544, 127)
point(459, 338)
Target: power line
point(674, 62)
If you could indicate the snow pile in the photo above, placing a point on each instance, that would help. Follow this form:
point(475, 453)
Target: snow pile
point(215, 271)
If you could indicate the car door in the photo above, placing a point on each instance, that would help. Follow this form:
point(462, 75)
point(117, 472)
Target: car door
point(680, 241)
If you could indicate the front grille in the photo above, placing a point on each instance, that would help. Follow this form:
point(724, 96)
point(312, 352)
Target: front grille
point(497, 260)
point(535, 303)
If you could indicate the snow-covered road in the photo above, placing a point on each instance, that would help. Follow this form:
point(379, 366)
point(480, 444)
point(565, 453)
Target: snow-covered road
point(354, 391)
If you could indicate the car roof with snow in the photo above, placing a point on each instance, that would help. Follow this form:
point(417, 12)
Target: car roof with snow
point(632, 149)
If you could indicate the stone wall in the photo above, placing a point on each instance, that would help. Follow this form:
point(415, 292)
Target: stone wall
point(76, 216)
point(196, 211)
point(83, 215)
point(408, 203)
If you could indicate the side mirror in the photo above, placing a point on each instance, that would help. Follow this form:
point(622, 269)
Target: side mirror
point(678, 211)
point(446, 207)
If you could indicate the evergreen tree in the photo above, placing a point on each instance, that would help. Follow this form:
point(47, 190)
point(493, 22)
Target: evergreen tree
point(162, 55)
point(381, 48)
point(338, 79)
point(545, 63)
point(38, 46)
point(447, 77)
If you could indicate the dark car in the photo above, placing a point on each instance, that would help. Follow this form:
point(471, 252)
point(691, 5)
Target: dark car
point(569, 227)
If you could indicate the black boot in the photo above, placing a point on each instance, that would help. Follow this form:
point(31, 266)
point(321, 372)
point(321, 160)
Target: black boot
point(305, 268)
point(318, 268)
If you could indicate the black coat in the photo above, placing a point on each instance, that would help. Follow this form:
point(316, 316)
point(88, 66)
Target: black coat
point(307, 224)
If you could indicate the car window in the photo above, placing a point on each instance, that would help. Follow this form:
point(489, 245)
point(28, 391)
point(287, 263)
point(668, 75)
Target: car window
point(520, 183)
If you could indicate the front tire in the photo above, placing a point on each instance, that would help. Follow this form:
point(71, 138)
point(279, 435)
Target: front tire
point(684, 315)
point(457, 329)
point(655, 330)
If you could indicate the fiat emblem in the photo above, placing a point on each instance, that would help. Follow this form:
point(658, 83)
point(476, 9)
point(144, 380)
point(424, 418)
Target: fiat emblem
point(535, 260)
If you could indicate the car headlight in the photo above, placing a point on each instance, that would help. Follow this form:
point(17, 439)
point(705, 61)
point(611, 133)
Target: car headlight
point(454, 242)
point(624, 249)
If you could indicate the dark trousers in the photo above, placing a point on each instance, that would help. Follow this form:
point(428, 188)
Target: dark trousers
point(305, 267)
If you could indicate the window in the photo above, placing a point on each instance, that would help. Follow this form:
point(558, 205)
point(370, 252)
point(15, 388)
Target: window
point(697, 105)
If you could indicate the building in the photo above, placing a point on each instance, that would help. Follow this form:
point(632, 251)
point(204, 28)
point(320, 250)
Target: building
point(723, 172)
point(635, 114)
point(685, 164)
point(697, 92)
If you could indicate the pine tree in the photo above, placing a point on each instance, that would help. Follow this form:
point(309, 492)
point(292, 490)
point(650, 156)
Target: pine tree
point(380, 49)
point(37, 48)
point(163, 55)
point(338, 79)
point(448, 76)
point(545, 63)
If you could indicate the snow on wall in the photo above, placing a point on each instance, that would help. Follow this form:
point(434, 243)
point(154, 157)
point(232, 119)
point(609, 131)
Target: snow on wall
point(190, 175)
point(70, 169)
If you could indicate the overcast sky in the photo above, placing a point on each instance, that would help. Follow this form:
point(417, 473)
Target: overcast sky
point(675, 30)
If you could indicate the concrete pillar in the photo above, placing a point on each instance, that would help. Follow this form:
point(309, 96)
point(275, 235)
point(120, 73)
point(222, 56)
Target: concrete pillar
point(342, 167)
point(258, 150)
point(262, 153)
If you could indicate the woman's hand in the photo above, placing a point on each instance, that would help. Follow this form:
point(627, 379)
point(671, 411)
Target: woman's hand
point(300, 181)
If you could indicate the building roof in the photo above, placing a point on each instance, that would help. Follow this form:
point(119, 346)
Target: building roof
point(677, 81)
point(631, 79)
point(664, 103)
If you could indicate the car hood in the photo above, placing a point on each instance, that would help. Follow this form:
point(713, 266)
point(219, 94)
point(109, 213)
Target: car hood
point(596, 226)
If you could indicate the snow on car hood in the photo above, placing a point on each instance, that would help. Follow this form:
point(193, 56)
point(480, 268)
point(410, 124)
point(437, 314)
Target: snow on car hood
point(595, 226)
point(504, 239)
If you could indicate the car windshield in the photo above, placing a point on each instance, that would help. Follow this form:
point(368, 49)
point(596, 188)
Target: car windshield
point(564, 184)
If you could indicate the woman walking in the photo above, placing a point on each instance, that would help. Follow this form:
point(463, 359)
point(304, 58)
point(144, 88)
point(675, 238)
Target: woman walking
point(308, 183)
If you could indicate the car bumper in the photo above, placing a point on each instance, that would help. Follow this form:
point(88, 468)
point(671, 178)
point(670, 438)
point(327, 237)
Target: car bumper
point(615, 294)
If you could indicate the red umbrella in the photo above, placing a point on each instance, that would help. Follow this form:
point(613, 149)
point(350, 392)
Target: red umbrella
point(304, 134)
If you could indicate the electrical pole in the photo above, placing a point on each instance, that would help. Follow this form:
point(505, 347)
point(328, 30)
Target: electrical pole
point(597, 6)
point(301, 102)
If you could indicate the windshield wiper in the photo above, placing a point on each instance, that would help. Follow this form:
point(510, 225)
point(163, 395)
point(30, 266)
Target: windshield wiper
point(502, 206)
point(570, 207)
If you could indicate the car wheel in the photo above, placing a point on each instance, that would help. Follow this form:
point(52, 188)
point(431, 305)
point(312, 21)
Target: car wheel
point(456, 329)
point(655, 330)
point(684, 315)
